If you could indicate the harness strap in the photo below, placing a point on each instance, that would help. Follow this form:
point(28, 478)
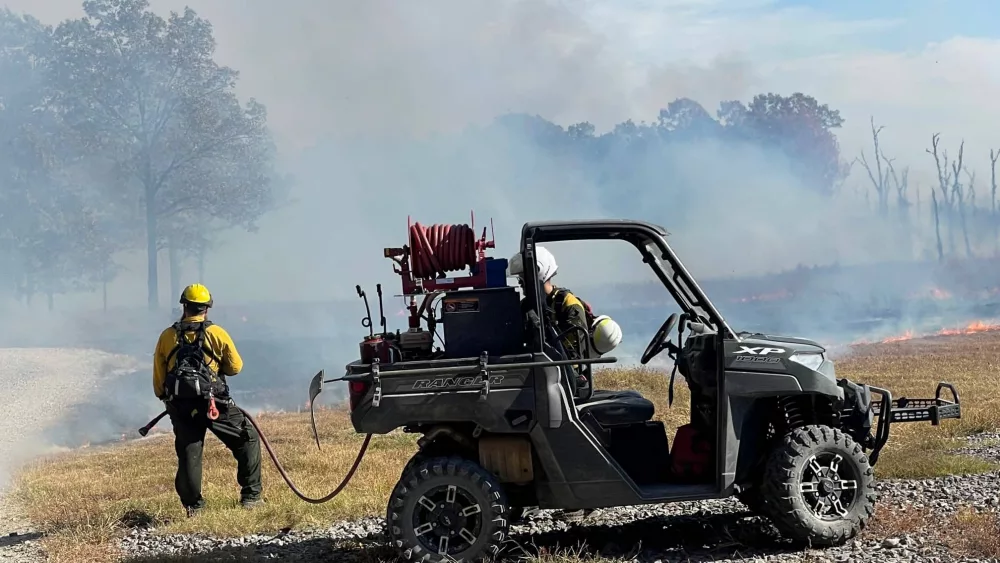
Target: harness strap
point(200, 330)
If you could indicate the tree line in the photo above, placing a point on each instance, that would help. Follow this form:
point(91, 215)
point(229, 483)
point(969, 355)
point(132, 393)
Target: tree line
point(120, 132)
point(958, 222)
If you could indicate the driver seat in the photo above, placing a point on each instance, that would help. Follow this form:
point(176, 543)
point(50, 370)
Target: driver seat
point(613, 408)
point(609, 408)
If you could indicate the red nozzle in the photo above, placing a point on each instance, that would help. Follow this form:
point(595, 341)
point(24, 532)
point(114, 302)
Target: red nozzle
point(213, 412)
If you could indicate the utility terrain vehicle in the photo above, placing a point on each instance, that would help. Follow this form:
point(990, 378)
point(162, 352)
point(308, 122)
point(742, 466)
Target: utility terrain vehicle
point(509, 421)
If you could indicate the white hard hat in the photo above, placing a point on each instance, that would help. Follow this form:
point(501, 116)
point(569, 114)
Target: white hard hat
point(546, 264)
point(606, 334)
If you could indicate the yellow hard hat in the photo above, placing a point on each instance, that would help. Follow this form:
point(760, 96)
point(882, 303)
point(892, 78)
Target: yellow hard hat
point(196, 294)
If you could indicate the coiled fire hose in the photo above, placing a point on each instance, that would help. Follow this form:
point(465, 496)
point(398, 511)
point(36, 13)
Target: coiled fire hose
point(277, 464)
point(436, 249)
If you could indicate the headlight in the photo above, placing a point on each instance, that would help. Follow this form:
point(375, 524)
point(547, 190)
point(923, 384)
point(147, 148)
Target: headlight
point(811, 360)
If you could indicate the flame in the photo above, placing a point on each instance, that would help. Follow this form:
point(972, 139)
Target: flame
point(972, 328)
point(905, 336)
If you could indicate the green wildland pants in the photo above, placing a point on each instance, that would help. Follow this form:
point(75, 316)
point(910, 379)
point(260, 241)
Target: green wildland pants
point(232, 428)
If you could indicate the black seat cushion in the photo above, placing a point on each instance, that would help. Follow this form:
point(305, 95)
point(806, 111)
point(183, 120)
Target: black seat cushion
point(618, 407)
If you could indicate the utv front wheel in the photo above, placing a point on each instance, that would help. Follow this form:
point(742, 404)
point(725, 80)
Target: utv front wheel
point(819, 486)
point(447, 509)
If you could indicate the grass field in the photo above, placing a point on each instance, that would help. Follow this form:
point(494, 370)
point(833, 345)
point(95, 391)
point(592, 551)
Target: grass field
point(83, 499)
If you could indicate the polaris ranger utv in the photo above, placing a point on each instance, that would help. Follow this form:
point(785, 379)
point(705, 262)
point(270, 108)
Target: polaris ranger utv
point(509, 421)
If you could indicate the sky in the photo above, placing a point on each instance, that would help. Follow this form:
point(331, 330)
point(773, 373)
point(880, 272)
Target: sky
point(330, 71)
point(861, 57)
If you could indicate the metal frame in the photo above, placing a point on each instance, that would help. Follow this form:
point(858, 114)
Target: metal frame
point(686, 292)
point(890, 411)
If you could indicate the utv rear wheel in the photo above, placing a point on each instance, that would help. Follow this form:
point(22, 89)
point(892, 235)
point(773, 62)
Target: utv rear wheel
point(819, 486)
point(448, 509)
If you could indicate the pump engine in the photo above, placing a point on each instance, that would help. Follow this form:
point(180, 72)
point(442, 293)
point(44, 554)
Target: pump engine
point(479, 312)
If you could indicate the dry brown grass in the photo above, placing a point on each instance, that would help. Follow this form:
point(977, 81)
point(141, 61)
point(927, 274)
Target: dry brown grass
point(912, 368)
point(976, 534)
point(967, 532)
point(87, 496)
point(895, 522)
point(84, 497)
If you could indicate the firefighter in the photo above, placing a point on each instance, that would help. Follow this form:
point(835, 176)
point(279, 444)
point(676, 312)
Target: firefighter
point(189, 376)
point(583, 334)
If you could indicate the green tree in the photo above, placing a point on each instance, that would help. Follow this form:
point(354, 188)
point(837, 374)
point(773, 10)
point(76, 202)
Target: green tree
point(146, 93)
point(800, 126)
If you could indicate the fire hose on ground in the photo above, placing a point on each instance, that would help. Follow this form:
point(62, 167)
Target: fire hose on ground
point(277, 464)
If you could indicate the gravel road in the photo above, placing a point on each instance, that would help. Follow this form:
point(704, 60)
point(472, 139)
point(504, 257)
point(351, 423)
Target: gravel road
point(715, 530)
point(38, 387)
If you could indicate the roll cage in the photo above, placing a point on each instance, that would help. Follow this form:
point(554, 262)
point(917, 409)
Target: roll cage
point(648, 239)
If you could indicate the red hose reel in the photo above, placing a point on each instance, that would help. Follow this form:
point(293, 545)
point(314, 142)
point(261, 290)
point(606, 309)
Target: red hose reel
point(438, 249)
point(431, 253)
point(435, 250)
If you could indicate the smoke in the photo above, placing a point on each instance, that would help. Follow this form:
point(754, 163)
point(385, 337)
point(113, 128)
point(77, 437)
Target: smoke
point(385, 110)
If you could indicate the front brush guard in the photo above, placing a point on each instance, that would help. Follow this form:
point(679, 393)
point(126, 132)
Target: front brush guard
point(890, 411)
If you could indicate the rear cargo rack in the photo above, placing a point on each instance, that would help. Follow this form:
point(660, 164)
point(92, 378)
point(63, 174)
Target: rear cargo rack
point(911, 410)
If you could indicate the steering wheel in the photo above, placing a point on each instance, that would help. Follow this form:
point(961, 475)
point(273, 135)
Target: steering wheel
point(659, 341)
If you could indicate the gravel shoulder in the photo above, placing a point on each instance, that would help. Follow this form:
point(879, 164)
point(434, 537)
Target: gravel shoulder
point(715, 530)
point(39, 386)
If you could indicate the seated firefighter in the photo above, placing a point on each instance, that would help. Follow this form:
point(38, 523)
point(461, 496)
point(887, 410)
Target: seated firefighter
point(581, 333)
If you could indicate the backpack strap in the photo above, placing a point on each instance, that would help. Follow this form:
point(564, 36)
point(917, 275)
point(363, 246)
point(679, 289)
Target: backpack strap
point(559, 299)
point(200, 330)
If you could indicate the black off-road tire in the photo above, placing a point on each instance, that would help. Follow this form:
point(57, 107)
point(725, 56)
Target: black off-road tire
point(470, 485)
point(417, 459)
point(788, 499)
point(517, 514)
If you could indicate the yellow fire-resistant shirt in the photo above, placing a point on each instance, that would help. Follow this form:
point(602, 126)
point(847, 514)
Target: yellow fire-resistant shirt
point(569, 313)
point(216, 339)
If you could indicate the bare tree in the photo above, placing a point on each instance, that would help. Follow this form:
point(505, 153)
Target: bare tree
point(994, 155)
point(958, 196)
point(944, 182)
point(900, 182)
point(937, 226)
point(879, 178)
